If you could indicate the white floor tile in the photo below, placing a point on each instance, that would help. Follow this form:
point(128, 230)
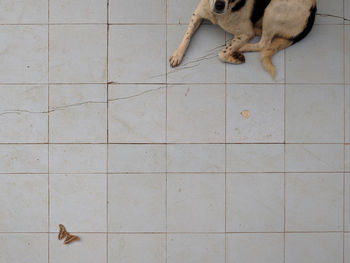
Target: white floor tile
point(255, 114)
point(137, 202)
point(347, 248)
point(314, 202)
point(23, 54)
point(196, 114)
point(347, 114)
point(201, 63)
point(78, 53)
point(196, 248)
point(347, 11)
point(314, 248)
point(181, 15)
point(23, 203)
point(78, 11)
point(255, 202)
point(196, 158)
point(138, 11)
point(347, 201)
point(90, 248)
point(78, 113)
point(23, 248)
point(255, 158)
point(314, 158)
point(137, 54)
point(23, 114)
point(23, 11)
point(23, 158)
point(347, 158)
point(314, 114)
point(79, 202)
point(135, 248)
point(137, 114)
point(318, 58)
point(136, 158)
point(347, 51)
point(255, 248)
point(196, 202)
point(78, 158)
point(334, 8)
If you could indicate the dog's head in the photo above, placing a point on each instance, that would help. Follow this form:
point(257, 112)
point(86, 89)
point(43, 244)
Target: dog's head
point(219, 7)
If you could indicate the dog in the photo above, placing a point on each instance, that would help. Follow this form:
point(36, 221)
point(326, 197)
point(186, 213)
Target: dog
point(280, 23)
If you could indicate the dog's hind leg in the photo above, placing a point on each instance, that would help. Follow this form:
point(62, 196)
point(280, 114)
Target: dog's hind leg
point(266, 54)
point(230, 53)
point(264, 42)
point(195, 22)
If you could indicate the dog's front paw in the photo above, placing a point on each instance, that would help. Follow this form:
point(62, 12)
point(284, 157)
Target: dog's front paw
point(176, 59)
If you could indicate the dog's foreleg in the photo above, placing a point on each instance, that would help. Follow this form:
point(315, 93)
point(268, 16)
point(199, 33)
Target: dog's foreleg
point(177, 56)
point(230, 52)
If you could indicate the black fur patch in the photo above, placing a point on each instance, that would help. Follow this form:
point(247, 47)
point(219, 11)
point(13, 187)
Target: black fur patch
point(308, 27)
point(238, 56)
point(238, 6)
point(258, 10)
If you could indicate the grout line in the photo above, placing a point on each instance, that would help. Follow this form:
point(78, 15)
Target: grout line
point(48, 133)
point(284, 154)
point(107, 134)
point(178, 172)
point(184, 233)
point(226, 250)
point(132, 24)
point(170, 84)
point(166, 131)
point(162, 143)
point(344, 181)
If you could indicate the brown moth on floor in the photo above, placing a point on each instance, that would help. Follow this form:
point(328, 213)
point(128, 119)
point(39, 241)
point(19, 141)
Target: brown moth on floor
point(70, 238)
point(64, 234)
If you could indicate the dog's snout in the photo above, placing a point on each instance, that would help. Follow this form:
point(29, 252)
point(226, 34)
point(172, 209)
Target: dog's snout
point(219, 5)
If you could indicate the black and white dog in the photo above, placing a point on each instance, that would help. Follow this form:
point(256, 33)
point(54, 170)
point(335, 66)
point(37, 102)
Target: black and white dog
point(280, 23)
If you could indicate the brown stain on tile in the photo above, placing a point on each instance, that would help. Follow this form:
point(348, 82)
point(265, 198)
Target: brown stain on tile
point(245, 114)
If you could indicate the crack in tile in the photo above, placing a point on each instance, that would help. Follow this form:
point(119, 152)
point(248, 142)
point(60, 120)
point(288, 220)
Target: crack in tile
point(329, 15)
point(64, 107)
point(136, 95)
point(315, 156)
point(183, 66)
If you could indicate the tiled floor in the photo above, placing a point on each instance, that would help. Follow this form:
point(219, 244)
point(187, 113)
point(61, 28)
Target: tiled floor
point(152, 164)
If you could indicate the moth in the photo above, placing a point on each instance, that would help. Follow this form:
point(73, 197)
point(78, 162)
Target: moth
point(63, 233)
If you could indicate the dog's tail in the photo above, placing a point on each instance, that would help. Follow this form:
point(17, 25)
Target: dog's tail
point(266, 54)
